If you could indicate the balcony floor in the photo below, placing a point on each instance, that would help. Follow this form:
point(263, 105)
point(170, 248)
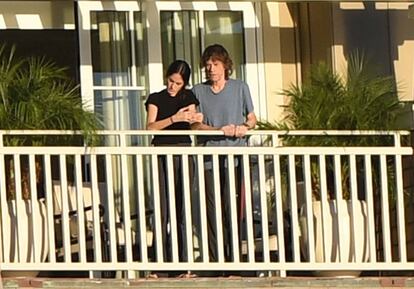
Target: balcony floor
point(205, 283)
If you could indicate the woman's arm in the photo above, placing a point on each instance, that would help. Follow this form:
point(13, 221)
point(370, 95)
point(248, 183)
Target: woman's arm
point(152, 123)
point(185, 114)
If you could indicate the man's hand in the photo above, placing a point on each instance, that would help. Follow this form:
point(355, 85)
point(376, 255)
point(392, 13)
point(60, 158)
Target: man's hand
point(229, 130)
point(241, 131)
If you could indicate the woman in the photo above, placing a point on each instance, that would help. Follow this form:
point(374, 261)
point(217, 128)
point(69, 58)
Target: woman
point(173, 108)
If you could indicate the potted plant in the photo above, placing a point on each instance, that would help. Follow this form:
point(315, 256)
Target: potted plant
point(360, 100)
point(35, 94)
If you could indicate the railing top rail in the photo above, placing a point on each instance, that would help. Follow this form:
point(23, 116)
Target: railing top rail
point(258, 136)
point(202, 150)
point(212, 132)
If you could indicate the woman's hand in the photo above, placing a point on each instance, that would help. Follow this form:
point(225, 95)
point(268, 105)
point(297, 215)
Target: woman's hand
point(197, 117)
point(186, 114)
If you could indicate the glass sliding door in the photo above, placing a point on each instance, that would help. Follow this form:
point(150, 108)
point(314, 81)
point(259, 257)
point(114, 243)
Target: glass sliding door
point(186, 28)
point(114, 66)
point(114, 63)
point(226, 28)
point(181, 37)
point(126, 46)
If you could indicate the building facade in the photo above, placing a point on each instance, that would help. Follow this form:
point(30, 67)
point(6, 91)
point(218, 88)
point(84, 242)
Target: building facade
point(118, 50)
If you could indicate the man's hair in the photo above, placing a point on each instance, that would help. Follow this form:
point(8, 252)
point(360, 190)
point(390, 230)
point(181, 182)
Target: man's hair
point(217, 52)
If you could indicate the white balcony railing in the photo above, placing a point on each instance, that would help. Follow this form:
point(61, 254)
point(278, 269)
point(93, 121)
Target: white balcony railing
point(98, 208)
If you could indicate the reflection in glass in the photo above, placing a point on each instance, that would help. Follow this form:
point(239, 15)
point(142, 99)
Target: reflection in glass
point(119, 109)
point(110, 43)
point(180, 39)
point(140, 49)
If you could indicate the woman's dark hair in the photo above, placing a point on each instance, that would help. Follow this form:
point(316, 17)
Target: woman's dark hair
point(218, 52)
point(182, 68)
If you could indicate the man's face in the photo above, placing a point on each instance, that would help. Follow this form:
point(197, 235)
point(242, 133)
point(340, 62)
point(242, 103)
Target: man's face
point(215, 70)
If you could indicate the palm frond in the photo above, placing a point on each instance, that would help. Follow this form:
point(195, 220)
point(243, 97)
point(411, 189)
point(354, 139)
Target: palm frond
point(361, 100)
point(37, 94)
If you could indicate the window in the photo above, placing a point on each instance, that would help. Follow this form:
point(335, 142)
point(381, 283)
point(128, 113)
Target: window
point(118, 68)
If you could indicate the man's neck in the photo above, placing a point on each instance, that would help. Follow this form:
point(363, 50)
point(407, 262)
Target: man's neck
point(217, 86)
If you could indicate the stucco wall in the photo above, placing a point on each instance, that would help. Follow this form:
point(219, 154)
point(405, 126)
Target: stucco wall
point(383, 32)
point(402, 48)
point(279, 51)
point(37, 15)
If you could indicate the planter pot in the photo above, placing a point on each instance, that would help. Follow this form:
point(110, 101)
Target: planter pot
point(353, 244)
point(25, 241)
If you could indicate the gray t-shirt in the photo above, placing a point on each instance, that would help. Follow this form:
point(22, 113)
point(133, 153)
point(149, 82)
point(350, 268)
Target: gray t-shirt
point(230, 106)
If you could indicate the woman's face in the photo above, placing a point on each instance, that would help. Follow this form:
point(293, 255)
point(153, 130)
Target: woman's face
point(174, 84)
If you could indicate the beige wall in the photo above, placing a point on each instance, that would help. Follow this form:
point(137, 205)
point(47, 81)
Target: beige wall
point(389, 34)
point(37, 15)
point(279, 55)
point(400, 45)
point(402, 48)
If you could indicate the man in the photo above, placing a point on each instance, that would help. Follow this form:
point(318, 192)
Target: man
point(227, 106)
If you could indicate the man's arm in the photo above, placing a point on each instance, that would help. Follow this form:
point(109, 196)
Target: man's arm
point(229, 130)
point(201, 126)
point(251, 121)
